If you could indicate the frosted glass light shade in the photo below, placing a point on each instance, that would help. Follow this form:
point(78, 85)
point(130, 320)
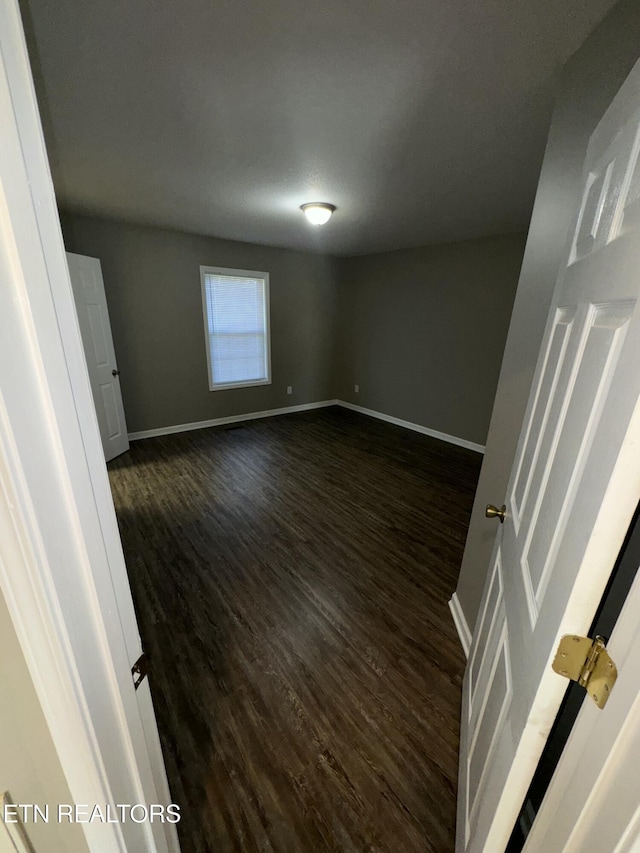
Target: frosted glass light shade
point(317, 212)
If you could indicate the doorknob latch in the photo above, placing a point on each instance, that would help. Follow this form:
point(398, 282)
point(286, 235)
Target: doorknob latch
point(493, 512)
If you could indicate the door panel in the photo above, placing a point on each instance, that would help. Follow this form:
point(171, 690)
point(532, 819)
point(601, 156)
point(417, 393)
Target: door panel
point(572, 493)
point(481, 651)
point(490, 691)
point(604, 331)
point(552, 372)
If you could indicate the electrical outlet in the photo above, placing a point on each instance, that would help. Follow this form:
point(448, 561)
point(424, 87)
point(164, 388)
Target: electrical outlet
point(289, 389)
point(356, 388)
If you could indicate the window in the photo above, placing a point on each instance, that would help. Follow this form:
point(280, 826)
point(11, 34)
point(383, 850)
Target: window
point(236, 327)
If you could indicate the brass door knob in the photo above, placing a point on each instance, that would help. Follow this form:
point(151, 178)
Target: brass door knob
point(493, 512)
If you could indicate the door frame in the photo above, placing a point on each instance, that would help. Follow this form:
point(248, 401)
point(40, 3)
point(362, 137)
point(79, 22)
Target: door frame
point(61, 560)
point(594, 779)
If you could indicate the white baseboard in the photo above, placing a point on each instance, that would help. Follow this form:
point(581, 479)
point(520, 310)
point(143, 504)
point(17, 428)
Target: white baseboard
point(461, 624)
point(443, 436)
point(286, 410)
point(233, 419)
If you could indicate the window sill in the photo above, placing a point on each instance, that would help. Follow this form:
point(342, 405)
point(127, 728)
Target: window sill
point(251, 384)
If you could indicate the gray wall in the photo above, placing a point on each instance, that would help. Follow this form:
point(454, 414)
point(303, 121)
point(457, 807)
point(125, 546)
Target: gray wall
point(30, 768)
point(152, 282)
point(589, 82)
point(422, 331)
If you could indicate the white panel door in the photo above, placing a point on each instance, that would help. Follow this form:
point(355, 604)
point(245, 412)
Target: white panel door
point(93, 317)
point(573, 489)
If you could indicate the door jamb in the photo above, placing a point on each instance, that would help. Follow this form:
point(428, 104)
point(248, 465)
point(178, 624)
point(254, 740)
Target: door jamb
point(88, 704)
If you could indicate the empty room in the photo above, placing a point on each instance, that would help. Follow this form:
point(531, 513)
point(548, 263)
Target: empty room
point(319, 404)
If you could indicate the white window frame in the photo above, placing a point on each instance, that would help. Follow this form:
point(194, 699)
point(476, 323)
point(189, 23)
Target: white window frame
point(250, 383)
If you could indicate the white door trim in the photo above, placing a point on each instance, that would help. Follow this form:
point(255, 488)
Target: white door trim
point(28, 588)
point(59, 538)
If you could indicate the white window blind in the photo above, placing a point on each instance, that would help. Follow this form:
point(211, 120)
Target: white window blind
point(235, 305)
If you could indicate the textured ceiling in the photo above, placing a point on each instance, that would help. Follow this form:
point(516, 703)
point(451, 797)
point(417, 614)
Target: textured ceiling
point(422, 121)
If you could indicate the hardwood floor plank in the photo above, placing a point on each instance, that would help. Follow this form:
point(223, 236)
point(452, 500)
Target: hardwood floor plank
point(291, 579)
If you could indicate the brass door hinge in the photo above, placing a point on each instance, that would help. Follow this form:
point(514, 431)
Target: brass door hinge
point(587, 662)
point(139, 670)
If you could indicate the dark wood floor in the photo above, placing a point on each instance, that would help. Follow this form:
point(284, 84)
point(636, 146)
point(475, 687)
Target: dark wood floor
point(291, 578)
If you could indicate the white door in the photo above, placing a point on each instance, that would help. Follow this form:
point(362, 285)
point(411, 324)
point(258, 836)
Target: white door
point(573, 489)
point(93, 318)
point(593, 802)
point(62, 571)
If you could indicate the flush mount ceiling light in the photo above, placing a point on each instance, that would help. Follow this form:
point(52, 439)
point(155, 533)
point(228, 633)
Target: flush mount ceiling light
point(317, 212)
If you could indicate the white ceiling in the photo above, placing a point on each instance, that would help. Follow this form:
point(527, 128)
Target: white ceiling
point(422, 120)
